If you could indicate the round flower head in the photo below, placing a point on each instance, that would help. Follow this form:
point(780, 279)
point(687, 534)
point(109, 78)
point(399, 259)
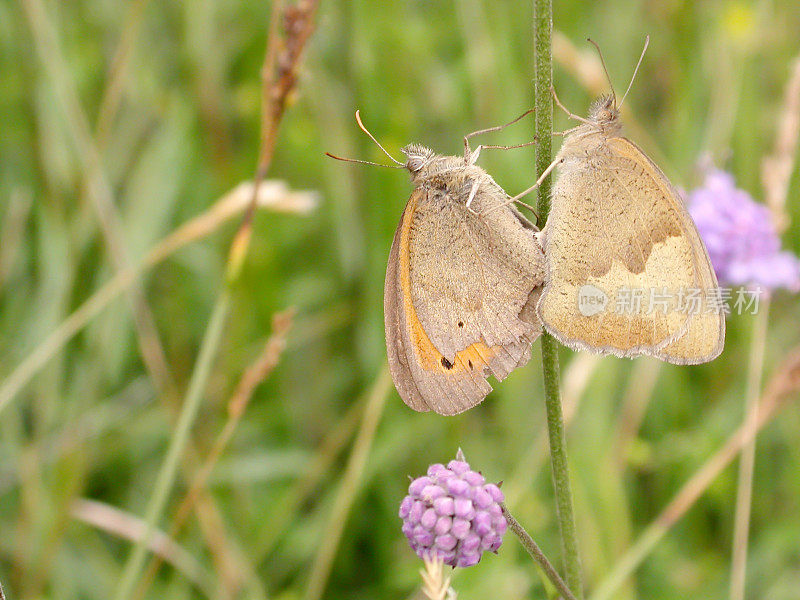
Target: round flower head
point(740, 236)
point(453, 514)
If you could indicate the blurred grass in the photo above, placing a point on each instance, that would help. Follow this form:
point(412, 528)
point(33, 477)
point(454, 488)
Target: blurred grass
point(186, 131)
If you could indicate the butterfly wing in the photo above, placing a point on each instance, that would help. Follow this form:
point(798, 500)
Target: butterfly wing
point(459, 302)
point(627, 272)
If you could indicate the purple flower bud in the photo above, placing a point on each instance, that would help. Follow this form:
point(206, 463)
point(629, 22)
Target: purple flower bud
point(459, 467)
point(443, 525)
point(436, 469)
point(471, 543)
point(429, 518)
point(500, 526)
point(482, 523)
point(423, 537)
point(453, 514)
point(446, 542)
point(444, 505)
point(415, 514)
point(431, 492)
point(473, 478)
point(494, 542)
point(495, 492)
point(415, 487)
point(488, 541)
point(464, 508)
point(457, 487)
point(405, 506)
point(481, 498)
point(467, 560)
point(461, 528)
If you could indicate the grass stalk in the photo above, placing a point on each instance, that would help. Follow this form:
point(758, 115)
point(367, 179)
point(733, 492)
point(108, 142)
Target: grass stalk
point(744, 486)
point(543, 79)
point(290, 29)
point(349, 486)
point(169, 468)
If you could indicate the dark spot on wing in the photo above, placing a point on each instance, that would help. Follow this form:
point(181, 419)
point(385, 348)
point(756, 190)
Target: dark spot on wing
point(469, 362)
point(446, 363)
point(461, 323)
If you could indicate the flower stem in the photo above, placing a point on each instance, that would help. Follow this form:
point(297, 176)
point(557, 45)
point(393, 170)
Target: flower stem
point(537, 555)
point(543, 79)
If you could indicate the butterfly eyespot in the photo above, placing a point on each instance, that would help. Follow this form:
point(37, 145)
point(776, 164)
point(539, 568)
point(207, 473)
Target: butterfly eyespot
point(461, 323)
point(446, 363)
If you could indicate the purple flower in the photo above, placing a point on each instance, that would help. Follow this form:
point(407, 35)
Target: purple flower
point(453, 514)
point(740, 236)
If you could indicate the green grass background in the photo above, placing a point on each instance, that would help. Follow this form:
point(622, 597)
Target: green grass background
point(90, 424)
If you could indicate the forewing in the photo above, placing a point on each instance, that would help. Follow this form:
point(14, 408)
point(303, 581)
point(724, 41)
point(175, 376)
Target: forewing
point(627, 273)
point(394, 322)
point(460, 295)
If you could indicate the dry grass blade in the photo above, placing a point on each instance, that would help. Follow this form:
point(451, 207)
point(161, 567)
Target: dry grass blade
point(349, 487)
point(98, 191)
point(12, 229)
point(126, 526)
point(117, 72)
point(256, 373)
point(318, 466)
point(776, 169)
point(783, 383)
point(284, 51)
point(776, 173)
point(744, 488)
point(279, 77)
point(271, 194)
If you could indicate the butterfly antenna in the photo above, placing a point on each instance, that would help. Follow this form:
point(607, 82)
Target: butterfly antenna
point(603, 62)
point(636, 70)
point(363, 162)
point(372, 137)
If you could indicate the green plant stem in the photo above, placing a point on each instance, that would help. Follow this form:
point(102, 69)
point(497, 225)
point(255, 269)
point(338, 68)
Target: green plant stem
point(543, 80)
point(169, 468)
point(543, 101)
point(536, 553)
point(558, 462)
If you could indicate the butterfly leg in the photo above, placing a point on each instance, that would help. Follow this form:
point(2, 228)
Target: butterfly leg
point(539, 181)
point(471, 157)
point(565, 109)
point(472, 193)
point(565, 133)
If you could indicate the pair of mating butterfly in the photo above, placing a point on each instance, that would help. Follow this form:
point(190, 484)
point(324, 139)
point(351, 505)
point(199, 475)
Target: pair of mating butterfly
point(471, 282)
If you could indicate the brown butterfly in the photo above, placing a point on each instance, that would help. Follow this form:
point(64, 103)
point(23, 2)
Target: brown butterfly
point(626, 271)
point(462, 282)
